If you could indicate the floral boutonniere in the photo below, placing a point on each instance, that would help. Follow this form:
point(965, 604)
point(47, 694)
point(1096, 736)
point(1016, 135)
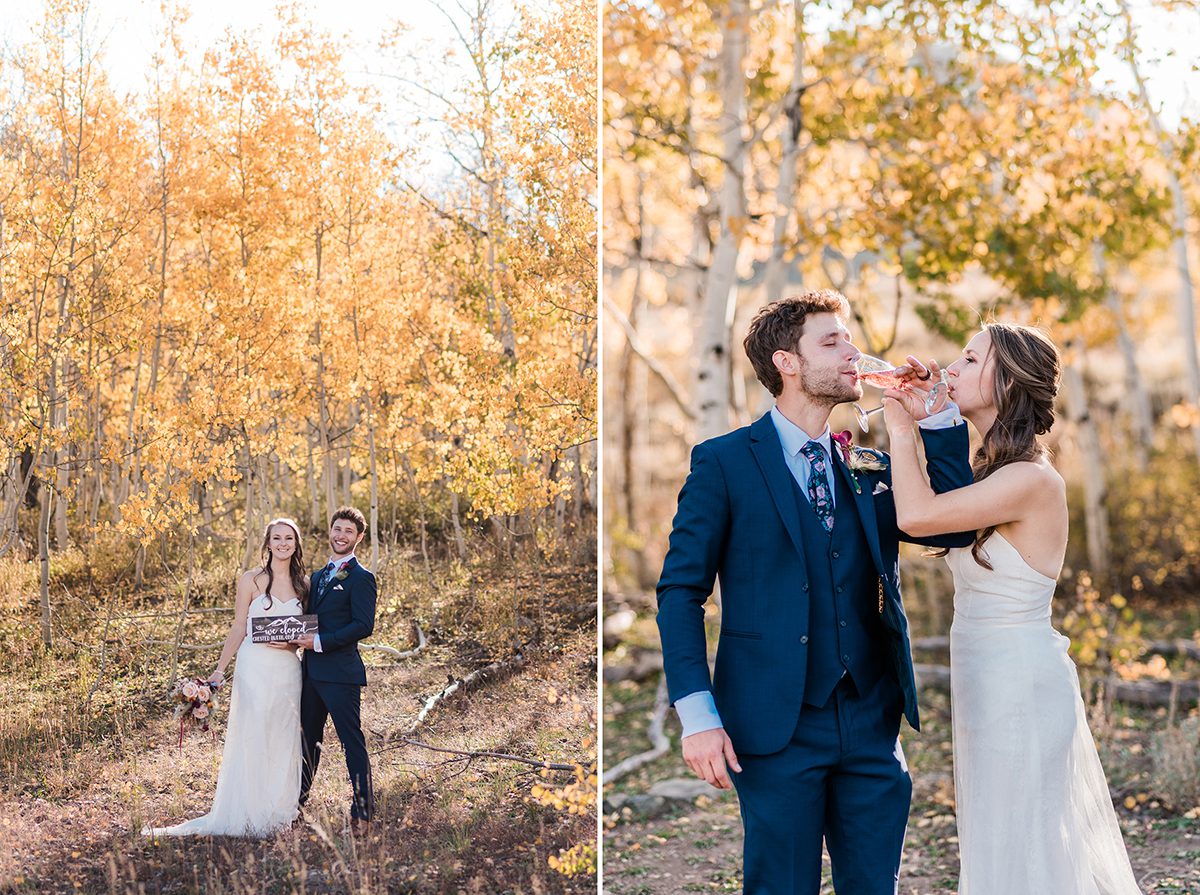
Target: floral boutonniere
point(858, 459)
point(341, 574)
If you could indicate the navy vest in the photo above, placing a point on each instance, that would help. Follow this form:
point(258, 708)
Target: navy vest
point(844, 631)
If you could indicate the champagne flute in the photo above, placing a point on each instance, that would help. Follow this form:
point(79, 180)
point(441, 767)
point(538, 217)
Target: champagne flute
point(881, 374)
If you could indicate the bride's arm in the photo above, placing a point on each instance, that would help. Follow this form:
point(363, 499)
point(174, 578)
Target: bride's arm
point(1004, 496)
point(237, 630)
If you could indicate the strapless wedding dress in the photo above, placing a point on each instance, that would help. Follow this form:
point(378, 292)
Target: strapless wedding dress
point(259, 783)
point(1034, 812)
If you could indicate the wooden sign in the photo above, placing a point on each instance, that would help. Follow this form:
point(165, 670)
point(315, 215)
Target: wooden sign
point(281, 628)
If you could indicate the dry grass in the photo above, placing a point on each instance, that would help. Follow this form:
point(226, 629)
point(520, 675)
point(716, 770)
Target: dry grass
point(78, 782)
point(1175, 753)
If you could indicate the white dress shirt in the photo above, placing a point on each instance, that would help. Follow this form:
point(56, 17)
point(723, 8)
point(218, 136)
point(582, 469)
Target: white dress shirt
point(337, 565)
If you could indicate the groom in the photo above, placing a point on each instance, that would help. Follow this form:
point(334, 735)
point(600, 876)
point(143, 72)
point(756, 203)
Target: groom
point(813, 667)
point(342, 595)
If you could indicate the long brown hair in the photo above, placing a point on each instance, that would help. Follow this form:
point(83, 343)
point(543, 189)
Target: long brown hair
point(1025, 378)
point(295, 564)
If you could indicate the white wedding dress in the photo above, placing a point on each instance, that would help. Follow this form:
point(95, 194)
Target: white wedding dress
point(1034, 812)
point(259, 783)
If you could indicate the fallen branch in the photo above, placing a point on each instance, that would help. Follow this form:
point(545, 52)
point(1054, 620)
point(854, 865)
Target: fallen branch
point(187, 646)
point(658, 738)
point(553, 766)
point(398, 654)
point(471, 680)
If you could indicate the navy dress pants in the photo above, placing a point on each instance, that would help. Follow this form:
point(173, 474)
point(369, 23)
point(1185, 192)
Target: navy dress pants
point(319, 701)
point(841, 779)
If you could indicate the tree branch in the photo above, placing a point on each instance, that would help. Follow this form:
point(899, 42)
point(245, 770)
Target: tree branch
point(661, 373)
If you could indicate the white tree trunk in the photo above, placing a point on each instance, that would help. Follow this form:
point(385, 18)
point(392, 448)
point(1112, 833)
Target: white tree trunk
point(1088, 442)
point(1137, 401)
point(1185, 306)
point(777, 265)
point(712, 373)
point(44, 562)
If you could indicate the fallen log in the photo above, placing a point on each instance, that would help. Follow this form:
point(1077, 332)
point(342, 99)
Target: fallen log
point(1144, 692)
point(471, 680)
point(1177, 647)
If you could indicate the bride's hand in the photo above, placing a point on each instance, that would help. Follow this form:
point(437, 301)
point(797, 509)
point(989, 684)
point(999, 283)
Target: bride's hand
point(897, 410)
point(217, 677)
point(913, 371)
point(911, 400)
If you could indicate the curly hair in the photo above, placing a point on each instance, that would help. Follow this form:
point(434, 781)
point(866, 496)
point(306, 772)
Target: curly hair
point(779, 325)
point(1025, 378)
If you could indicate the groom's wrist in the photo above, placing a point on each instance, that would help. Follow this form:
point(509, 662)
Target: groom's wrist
point(697, 713)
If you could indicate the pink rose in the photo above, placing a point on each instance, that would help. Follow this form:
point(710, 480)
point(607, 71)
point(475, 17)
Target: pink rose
point(203, 694)
point(201, 713)
point(190, 690)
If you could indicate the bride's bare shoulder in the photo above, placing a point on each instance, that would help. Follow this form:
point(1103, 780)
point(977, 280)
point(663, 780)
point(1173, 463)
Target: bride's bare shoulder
point(251, 577)
point(1050, 475)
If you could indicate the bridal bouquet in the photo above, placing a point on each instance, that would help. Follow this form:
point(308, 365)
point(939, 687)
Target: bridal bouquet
point(195, 703)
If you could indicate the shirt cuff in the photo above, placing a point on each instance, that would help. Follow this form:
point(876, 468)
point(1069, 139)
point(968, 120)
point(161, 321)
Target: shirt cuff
point(697, 712)
point(316, 643)
point(945, 418)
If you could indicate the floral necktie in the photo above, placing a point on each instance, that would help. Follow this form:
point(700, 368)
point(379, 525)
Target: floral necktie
point(818, 484)
point(328, 575)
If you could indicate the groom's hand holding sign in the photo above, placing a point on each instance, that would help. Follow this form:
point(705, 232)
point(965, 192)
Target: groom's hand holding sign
point(707, 753)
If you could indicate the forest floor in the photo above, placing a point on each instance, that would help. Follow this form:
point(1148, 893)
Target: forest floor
point(78, 784)
point(697, 847)
point(675, 846)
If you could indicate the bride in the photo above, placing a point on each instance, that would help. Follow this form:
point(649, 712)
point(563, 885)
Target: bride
point(259, 783)
point(1034, 812)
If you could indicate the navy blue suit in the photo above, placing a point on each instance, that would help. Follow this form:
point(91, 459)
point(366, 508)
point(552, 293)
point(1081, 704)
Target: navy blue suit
point(334, 678)
point(813, 667)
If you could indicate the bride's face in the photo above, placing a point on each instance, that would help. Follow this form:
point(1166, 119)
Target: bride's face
point(282, 542)
point(971, 375)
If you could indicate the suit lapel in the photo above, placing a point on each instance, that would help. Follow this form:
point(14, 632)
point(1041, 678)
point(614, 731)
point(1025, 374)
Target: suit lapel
point(327, 581)
point(864, 501)
point(764, 442)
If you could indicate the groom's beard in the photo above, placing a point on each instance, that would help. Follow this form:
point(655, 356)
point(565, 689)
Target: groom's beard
point(827, 388)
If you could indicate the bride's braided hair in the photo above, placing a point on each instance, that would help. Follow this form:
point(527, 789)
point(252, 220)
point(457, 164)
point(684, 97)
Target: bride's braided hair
point(1025, 378)
point(295, 565)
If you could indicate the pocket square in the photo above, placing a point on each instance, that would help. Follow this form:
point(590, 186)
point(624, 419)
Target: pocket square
point(880, 487)
point(338, 587)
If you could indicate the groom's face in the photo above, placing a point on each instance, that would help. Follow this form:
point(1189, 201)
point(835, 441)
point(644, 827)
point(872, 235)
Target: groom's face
point(343, 537)
point(826, 361)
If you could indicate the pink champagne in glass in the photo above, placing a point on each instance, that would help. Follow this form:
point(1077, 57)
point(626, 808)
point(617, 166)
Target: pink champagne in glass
point(876, 371)
point(880, 379)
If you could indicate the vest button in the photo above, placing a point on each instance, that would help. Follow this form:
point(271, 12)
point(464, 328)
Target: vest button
point(843, 623)
point(805, 586)
point(804, 638)
point(835, 554)
point(845, 658)
point(840, 588)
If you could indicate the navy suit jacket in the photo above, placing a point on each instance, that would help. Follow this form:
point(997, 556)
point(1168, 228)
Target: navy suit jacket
point(738, 521)
point(345, 615)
